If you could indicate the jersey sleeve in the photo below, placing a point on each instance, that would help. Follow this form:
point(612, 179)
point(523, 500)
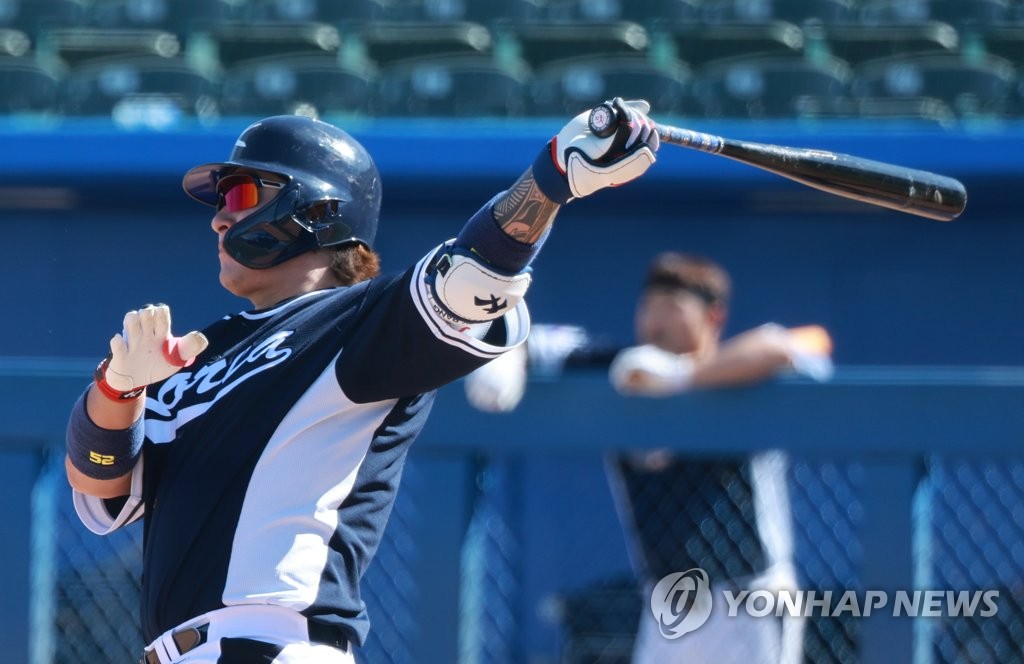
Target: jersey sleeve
point(404, 347)
point(103, 516)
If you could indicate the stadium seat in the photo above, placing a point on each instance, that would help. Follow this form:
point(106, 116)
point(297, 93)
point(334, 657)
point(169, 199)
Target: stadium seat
point(794, 11)
point(983, 87)
point(583, 10)
point(698, 43)
point(541, 42)
point(857, 43)
point(451, 86)
point(177, 16)
point(26, 86)
point(969, 12)
point(385, 42)
point(138, 89)
point(876, 109)
point(956, 12)
point(334, 12)
point(14, 42)
point(1005, 41)
point(654, 12)
point(314, 85)
point(566, 87)
point(74, 46)
point(759, 87)
point(236, 41)
point(35, 16)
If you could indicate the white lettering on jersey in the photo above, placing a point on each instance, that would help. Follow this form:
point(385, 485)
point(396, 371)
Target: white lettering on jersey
point(218, 377)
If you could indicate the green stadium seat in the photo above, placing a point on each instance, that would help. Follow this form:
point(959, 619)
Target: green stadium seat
point(760, 88)
point(130, 88)
point(384, 42)
point(541, 42)
point(977, 87)
point(315, 85)
point(858, 43)
point(566, 87)
point(235, 41)
point(26, 87)
point(461, 86)
point(697, 43)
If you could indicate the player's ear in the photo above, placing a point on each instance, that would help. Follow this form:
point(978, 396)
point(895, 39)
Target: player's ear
point(718, 313)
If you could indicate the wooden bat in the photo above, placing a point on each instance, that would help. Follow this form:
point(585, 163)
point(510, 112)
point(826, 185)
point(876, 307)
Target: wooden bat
point(908, 190)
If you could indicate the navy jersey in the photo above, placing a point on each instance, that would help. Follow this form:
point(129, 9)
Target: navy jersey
point(270, 466)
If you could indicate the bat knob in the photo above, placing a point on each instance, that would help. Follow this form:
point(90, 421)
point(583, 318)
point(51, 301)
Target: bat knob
point(603, 120)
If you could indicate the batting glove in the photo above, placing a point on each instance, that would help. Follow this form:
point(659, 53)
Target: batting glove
point(145, 352)
point(499, 385)
point(650, 371)
point(809, 349)
point(577, 163)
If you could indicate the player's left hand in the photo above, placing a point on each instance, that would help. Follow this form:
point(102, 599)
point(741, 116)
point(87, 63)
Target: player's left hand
point(808, 347)
point(810, 352)
point(145, 352)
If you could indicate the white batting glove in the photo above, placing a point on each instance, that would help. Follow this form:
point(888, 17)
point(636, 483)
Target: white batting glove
point(650, 371)
point(499, 385)
point(577, 163)
point(591, 163)
point(145, 352)
point(809, 348)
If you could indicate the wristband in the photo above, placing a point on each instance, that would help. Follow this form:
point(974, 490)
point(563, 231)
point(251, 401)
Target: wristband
point(101, 454)
point(552, 182)
point(100, 379)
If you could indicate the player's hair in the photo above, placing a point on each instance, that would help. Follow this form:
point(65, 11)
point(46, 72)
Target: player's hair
point(354, 263)
point(671, 270)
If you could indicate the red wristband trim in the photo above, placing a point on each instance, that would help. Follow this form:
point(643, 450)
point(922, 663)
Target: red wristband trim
point(100, 379)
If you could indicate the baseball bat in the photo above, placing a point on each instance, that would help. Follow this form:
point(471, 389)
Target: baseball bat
point(908, 190)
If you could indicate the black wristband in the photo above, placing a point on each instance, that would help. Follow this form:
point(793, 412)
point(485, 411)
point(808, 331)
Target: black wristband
point(551, 181)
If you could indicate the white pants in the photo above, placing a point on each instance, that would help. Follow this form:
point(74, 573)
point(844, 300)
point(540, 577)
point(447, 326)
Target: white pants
point(296, 653)
point(253, 632)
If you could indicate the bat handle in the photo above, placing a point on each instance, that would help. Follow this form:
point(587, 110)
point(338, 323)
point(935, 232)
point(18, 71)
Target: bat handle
point(605, 118)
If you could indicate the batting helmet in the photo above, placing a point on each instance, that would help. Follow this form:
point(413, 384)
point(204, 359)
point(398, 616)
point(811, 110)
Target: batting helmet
point(330, 196)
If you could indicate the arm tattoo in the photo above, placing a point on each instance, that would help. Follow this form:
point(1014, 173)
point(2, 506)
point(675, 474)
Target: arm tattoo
point(524, 213)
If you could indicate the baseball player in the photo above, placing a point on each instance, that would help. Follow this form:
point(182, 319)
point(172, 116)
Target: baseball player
point(669, 505)
point(264, 452)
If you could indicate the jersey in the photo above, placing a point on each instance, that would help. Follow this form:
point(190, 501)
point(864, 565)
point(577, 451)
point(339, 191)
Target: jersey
point(270, 466)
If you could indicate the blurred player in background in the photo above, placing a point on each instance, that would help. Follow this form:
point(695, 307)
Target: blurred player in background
point(728, 516)
point(265, 452)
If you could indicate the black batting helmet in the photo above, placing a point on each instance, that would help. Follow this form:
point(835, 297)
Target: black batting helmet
point(330, 197)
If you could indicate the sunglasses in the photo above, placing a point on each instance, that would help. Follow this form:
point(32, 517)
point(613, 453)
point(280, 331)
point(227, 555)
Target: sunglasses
point(241, 192)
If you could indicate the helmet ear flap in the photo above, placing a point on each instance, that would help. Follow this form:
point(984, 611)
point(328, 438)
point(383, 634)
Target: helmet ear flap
point(325, 219)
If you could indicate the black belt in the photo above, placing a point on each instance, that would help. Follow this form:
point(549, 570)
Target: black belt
point(190, 638)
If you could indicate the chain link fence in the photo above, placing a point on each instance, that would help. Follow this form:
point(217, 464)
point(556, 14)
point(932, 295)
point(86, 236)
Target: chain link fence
point(967, 535)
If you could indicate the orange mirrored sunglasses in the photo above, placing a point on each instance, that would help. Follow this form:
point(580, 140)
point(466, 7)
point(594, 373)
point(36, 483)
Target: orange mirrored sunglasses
point(241, 192)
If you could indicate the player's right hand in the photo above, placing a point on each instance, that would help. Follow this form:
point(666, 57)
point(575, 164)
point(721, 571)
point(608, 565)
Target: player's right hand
point(589, 163)
point(145, 352)
point(650, 371)
point(499, 385)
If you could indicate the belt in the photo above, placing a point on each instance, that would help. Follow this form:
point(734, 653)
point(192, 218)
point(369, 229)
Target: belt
point(184, 638)
point(274, 623)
